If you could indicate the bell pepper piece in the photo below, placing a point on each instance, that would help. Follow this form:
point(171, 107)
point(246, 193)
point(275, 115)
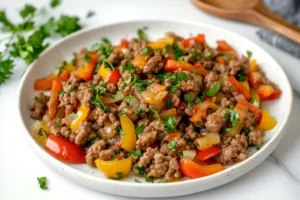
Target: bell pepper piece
point(114, 76)
point(200, 38)
point(161, 43)
point(255, 79)
point(200, 69)
point(46, 83)
point(70, 67)
point(255, 97)
point(267, 92)
point(123, 44)
point(223, 46)
point(172, 136)
point(246, 85)
point(64, 150)
point(82, 113)
point(171, 112)
point(114, 169)
point(129, 138)
point(139, 61)
point(267, 122)
point(252, 108)
point(220, 60)
point(193, 170)
point(103, 71)
point(253, 66)
point(173, 65)
point(154, 94)
point(239, 87)
point(87, 69)
point(208, 153)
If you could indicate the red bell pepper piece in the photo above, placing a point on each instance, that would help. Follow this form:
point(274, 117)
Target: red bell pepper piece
point(208, 153)
point(206, 98)
point(239, 87)
point(123, 44)
point(172, 136)
point(193, 170)
point(223, 46)
point(252, 108)
point(171, 112)
point(255, 79)
point(54, 98)
point(114, 76)
point(267, 92)
point(64, 150)
point(200, 38)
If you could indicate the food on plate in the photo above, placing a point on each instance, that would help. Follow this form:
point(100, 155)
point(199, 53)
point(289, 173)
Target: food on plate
point(167, 109)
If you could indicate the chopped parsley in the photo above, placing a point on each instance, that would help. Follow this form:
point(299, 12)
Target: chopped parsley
point(172, 145)
point(233, 116)
point(129, 67)
point(241, 76)
point(175, 81)
point(108, 64)
point(141, 170)
point(105, 48)
point(37, 99)
point(228, 55)
point(149, 180)
point(249, 54)
point(141, 83)
point(139, 129)
point(196, 54)
point(162, 76)
point(247, 131)
point(162, 180)
point(127, 98)
point(58, 124)
point(147, 50)
point(70, 88)
point(137, 153)
point(55, 3)
point(90, 14)
point(42, 181)
point(124, 112)
point(166, 49)
point(170, 123)
point(73, 116)
point(168, 104)
point(120, 175)
point(60, 94)
point(141, 33)
point(96, 99)
point(207, 55)
point(257, 147)
point(140, 111)
point(214, 89)
point(155, 113)
point(180, 153)
point(177, 52)
point(137, 181)
point(189, 99)
point(120, 131)
point(87, 58)
point(40, 132)
point(117, 153)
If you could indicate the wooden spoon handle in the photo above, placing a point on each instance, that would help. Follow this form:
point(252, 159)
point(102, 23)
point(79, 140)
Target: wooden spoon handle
point(265, 17)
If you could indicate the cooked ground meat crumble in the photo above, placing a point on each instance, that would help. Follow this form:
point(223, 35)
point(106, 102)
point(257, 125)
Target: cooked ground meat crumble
point(181, 97)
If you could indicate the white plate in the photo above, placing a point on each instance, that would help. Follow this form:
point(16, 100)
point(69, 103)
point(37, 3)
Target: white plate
point(93, 178)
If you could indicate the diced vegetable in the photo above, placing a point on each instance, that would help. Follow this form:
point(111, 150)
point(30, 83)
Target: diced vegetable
point(246, 85)
point(139, 61)
point(123, 44)
point(252, 108)
point(129, 138)
point(154, 94)
point(220, 60)
point(173, 135)
point(253, 66)
point(173, 65)
point(200, 38)
point(46, 83)
point(103, 71)
point(207, 141)
point(255, 97)
point(200, 113)
point(255, 79)
point(108, 99)
point(171, 112)
point(64, 150)
point(267, 92)
point(81, 116)
point(193, 170)
point(208, 153)
point(87, 69)
point(189, 154)
point(223, 46)
point(161, 43)
point(116, 169)
point(54, 98)
point(114, 76)
point(239, 87)
point(38, 132)
point(267, 122)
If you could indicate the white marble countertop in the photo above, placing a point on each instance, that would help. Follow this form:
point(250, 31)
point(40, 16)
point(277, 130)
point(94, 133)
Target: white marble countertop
point(278, 177)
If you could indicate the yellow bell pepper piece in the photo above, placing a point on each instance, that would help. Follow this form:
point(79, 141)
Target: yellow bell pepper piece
point(104, 72)
point(139, 61)
point(161, 43)
point(238, 128)
point(69, 67)
point(81, 116)
point(128, 140)
point(114, 168)
point(219, 96)
point(253, 66)
point(255, 97)
point(267, 122)
point(246, 84)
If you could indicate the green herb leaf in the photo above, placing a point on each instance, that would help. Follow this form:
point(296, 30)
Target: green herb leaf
point(228, 55)
point(141, 170)
point(7, 25)
point(70, 88)
point(96, 99)
point(27, 10)
point(168, 104)
point(233, 117)
point(40, 132)
point(155, 113)
point(162, 76)
point(177, 52)
point(249, 54)
point(73, 116)
point(60, 94)
point(183, 76)
point(172, 144)
point(37, 99)
point(117, 153)
point(67, 25)
point(257, 147)
point(149, 180)
point(129, 67)
point(55, 3)
point(147, 50)
point(141, 33)
point(120, 175)
point(140, 111)
point(137, 181)
point(166, 49)
point(90, 14)
point(247, 131)
point(108, 64)
point(196, 54)
point(170, 123)
point(207, 55)
point(214, 89)
point(42, 181)
point(241, 76)
point(162, 180)
point(139, 129)
point(137, 153)
point(127, 98)
point(120, 131)
point(87, 58)
point(58, 124)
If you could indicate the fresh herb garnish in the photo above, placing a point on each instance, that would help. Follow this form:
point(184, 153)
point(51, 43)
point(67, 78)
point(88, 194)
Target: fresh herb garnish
point(233, 117)
point(42, 181)
point(73, 116)
point(141, 170)
point(139, 129)
point(172, 144)
point(155, 113)
point(96, 99)
point(241, 76)
point(140, 111)
point(87, 58)
point(177, 52)
point(40, 132)
point(249, 54)
point(214, 89)
point(228, 55)
point(70, 88)
point(141, 83)
point(168, 104)
point(120, 175)
point(37, 99)
point(109, 65)
point(58, 124)
point(207, 55)
point(127, 98)
point(247, 131)
point(162, 76)
point(129, 67)
point(90, 14)
point(196, 54)
point(257, 147)
point(147, 50)
point(162, 180)
point(105, 48)
point(55, 3)
point(149, 179)
point(137, 181)
point(60, 94)
point(141, 33)
point(120, 131)
point(170, 123)
point(124, 112)
point(137, 153)
point(180, 153)
point(166, 49)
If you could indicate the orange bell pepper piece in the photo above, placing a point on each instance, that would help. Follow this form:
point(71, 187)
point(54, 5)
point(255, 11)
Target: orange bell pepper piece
point(255, 79)
point(223, 46)
point(239, 87)
point(267, 92)
point(252, 108)
point(253, 66)
point(161, 43)
point(171, 112)
point(123, 44)
point(172, 136)
point(173, 65)
point(200, 38)
point(81, 116)
point(139, 61)
point(46, 83)
point(87, 69)
point(193, 170)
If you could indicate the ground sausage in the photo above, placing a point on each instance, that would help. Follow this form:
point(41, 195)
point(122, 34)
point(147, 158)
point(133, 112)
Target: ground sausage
point(38, 106)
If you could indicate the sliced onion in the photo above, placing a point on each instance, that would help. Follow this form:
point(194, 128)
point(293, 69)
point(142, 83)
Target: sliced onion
point(207, 141)
point(108, 99)
point(134, 103)
point(189, 154)
point(107, 132)
point(125, 51)
point(36, 126)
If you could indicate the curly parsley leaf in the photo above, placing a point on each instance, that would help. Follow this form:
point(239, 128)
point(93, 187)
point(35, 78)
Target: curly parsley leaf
point(7, 25)
point(249, 54)
point(141, 33)
point(137, 153)
point(42, 181)
point(172, 145)
point(170, 123)
point(147, 50)
point(241, 76)
point(214, 89)
point(28, 10)
point(55, 3)
point(90, 14)
point(6, 67)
